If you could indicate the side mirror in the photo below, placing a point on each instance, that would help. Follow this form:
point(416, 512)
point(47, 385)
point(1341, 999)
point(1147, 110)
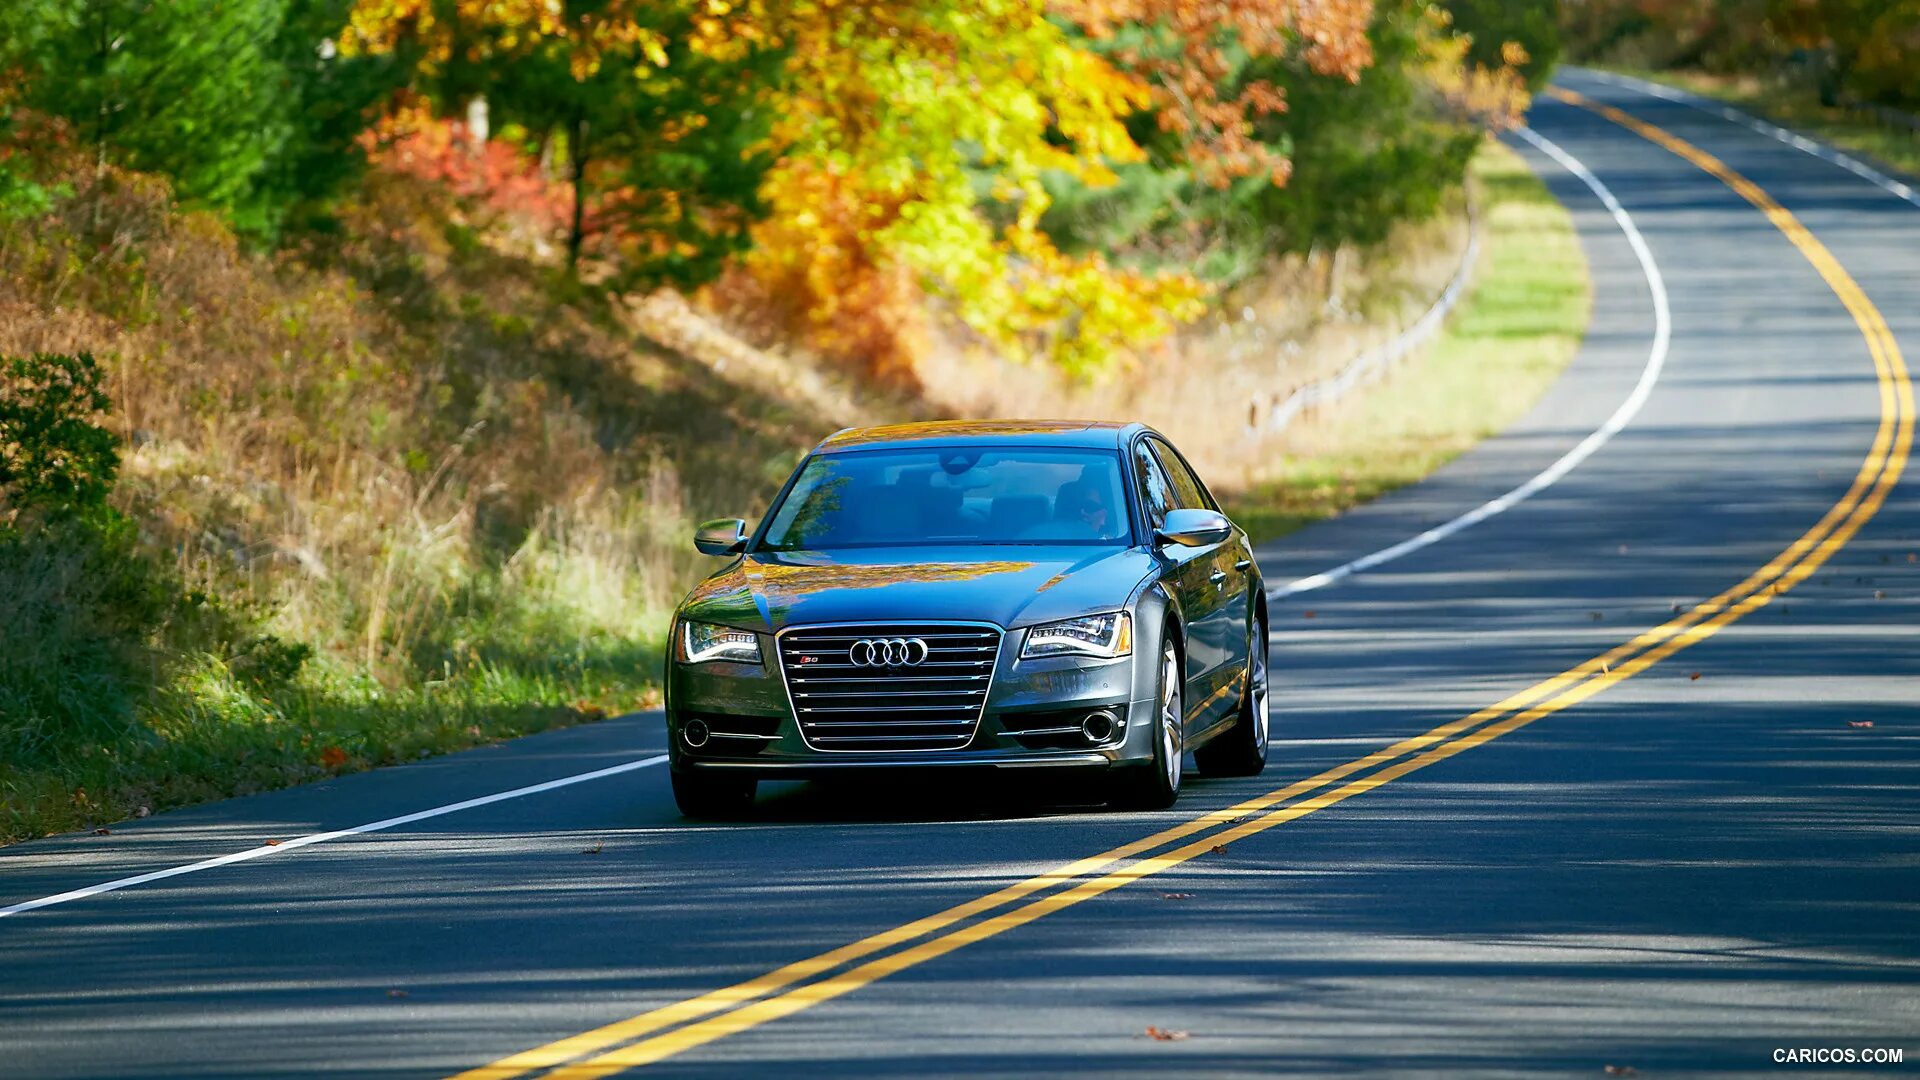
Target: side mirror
point(1194, 528)
point(721, 536)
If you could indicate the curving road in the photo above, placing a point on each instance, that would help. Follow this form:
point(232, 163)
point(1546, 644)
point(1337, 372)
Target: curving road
point(1579, 783)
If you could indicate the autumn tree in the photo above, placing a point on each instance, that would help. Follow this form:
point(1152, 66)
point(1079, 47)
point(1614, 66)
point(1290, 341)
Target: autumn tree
point(1870, 48)
point(915, 139)
point(1193, 56)
point(917, 146)
point(665, 146)
point(660, 117)
point(1364, 154)
point(325, 101)
point(1493, 26)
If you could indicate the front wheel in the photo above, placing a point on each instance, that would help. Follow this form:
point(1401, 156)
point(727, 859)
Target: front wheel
point(713, 795)
point(1155, 785)
point(1242, 750)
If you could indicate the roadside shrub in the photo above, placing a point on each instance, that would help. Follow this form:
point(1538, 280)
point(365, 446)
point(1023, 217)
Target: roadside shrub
point(52, 455)
point(84, 604)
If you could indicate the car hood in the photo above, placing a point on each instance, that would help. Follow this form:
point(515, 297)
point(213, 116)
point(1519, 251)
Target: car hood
point(1011, 585)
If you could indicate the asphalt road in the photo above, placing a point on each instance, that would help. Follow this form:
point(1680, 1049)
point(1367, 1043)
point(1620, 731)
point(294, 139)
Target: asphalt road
point(1682, 868)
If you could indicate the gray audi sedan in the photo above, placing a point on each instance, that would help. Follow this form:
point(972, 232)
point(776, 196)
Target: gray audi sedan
point(986, 595)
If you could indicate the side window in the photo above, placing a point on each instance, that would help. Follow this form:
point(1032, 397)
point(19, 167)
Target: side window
point(1187, 492)
point(1156, 494)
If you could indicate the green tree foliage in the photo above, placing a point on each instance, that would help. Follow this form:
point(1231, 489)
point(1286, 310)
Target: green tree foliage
point(1534, 25)
point(324, 100)
point(20, 195)
point(246, 107)
point(1370, 154)
point(1366, 155)
point(664, 146)
point(1848, 49)
point(1865, 49)
point(84, 603)
point(180, 87)
point(52, 454)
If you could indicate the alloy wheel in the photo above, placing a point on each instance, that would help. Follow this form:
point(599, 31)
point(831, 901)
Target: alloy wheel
point(1257, 677)
point(1170, 716)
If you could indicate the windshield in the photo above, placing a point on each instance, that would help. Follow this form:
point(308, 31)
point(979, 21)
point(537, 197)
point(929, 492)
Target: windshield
point(952, 495)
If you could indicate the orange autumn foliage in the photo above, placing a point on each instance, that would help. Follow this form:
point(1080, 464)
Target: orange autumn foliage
point(1183, 50)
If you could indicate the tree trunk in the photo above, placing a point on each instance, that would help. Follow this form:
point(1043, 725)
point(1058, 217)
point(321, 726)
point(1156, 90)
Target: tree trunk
point(1334, 282)
point(479, 124)
point(103, 113)
point(577, 150)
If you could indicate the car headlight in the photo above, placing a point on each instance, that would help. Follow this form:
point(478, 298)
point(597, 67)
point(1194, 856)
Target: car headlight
point(700, 642)
point(1104, 636)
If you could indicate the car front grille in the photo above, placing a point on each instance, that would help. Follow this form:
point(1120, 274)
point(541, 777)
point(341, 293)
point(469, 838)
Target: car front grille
point(932, 705)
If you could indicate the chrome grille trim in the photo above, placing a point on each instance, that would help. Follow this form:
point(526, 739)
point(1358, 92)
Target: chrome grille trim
point(840, 708)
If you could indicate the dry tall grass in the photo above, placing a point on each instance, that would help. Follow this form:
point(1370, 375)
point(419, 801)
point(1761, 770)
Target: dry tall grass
point(424, 455)
point(1211, 386)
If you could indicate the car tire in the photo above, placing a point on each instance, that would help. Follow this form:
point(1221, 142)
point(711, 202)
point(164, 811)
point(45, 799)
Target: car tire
point(1242, 749)
point(1155, 785)
point(713, 795)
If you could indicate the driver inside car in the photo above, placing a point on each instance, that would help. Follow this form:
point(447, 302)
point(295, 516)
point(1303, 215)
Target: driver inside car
point(1081, 505)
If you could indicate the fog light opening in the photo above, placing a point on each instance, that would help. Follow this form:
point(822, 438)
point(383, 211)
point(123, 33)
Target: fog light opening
point(1098, 727)
point(695, 734)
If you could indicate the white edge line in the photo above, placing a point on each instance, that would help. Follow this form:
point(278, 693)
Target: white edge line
point(1656, 360)
point(1823, 151)
point(322, 837)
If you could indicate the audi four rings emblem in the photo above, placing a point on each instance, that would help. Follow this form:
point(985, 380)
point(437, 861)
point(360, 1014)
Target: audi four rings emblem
point(888, 652)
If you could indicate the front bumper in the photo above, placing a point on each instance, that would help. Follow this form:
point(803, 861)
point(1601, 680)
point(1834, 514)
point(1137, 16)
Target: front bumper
point(750, 726)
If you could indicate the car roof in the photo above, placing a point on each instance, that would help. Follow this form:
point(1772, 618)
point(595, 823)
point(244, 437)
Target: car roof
point(1105, 434)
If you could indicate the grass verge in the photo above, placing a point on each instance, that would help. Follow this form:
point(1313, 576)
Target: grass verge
point(1799, 108)
point(211, 736)
point(1518, 328)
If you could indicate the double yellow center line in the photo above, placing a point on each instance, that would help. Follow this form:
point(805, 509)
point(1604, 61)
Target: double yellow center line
point(684, 1025)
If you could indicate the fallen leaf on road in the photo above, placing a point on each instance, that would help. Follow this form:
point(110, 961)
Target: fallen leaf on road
point(1695, 676)
point(1879, 594)
point(1217, 849)
point(333, 757)
point(597, 848)
point(1859, 723)
point(1622, 1070)
point(103, 832)
point(1176, 896)
point(1159, 1034)
point(272, 843)
point(1306, 614)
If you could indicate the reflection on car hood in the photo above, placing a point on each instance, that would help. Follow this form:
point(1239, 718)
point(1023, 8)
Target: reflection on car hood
point(1011, 585)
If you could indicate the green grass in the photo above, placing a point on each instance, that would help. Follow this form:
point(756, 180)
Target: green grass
point(212, 734)
point(1799, 108)
point(1518, 328)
